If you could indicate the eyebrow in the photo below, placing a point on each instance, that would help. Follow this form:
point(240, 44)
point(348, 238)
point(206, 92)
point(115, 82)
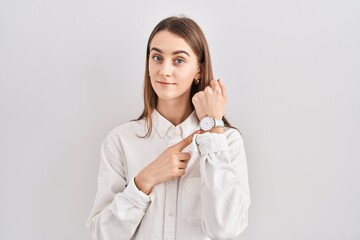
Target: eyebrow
point(174, 53)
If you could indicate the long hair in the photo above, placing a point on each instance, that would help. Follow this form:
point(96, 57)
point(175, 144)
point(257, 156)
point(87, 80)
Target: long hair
point(190, 31)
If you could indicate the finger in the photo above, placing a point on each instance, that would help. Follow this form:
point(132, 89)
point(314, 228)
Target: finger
point(215, 86)
point(209, 90)
point(223, 90)
point(181, 172)
point(185, 142)
point(213, 83)
point(184, 156)
point(182, 165)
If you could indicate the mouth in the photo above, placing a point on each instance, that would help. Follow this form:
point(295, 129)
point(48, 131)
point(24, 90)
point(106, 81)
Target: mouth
point(165, 83)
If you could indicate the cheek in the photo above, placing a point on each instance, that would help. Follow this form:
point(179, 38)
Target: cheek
point(188, 75)
point(153, 67)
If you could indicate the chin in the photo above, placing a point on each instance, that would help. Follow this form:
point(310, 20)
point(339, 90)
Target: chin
point(166, 96)
point(171, 94)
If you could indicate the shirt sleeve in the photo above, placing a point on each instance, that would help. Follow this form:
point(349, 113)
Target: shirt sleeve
point(225, 193)
point(119, 206)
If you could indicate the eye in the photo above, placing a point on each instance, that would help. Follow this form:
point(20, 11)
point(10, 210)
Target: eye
point(179, 61)
point(157, 58)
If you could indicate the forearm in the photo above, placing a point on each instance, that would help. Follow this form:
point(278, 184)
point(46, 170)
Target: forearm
point(121, 217)
point(224, 193)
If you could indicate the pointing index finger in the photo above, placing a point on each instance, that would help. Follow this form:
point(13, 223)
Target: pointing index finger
point(185, 142)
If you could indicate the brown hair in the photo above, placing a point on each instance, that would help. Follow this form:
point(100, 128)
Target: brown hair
point(187, 29)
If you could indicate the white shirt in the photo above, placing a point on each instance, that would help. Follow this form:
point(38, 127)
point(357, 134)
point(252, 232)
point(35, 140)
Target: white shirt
point(210, 201)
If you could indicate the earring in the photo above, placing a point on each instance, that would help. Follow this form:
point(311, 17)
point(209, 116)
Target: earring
point(196, 80)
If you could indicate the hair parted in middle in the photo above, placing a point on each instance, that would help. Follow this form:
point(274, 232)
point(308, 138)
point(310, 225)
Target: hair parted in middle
point(190, 31)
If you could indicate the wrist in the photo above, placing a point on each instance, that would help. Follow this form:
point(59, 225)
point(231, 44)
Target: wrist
point(217, 130)
point(143, 184)
point(208, 123)
point(219, 117)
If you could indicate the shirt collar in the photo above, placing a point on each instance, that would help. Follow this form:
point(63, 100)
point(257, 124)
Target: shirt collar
point(165, 127)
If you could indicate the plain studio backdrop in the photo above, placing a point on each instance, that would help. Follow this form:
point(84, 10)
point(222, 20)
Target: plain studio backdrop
point(71, 71)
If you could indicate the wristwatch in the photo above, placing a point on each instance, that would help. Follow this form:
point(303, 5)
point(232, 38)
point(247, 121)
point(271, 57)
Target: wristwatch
point(207, 123)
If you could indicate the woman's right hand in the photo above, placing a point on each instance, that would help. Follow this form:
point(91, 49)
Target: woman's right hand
point(169, 165)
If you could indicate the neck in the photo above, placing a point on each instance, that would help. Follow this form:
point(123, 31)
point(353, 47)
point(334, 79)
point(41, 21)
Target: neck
point(174, 111)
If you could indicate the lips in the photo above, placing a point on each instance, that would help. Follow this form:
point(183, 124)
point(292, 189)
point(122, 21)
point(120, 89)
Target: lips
point(165, 83)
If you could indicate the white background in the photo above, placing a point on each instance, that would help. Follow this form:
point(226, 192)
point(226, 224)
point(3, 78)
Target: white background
point(70, 71)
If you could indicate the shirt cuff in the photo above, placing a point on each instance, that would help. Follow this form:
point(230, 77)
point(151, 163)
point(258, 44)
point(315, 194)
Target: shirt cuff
point(137, 197)
point(211, 142)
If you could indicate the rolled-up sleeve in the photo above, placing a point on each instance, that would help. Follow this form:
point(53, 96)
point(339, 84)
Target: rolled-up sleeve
point(225, 192)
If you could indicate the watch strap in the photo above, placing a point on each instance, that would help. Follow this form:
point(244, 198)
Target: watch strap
point(218, 123)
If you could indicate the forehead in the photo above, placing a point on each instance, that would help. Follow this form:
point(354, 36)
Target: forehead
point(169, 42)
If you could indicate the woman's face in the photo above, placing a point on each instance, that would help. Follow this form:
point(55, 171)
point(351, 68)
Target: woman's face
point(173, 66)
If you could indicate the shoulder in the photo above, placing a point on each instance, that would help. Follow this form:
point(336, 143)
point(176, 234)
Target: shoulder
point(126, 130)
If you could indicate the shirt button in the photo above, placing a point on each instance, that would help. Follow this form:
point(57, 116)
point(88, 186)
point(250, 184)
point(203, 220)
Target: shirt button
point(170, 214)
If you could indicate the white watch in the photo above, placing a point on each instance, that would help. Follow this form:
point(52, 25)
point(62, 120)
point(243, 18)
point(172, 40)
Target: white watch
point(208, 123)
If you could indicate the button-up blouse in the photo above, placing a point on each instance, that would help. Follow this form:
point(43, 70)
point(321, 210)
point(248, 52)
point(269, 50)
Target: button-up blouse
point(210, 201)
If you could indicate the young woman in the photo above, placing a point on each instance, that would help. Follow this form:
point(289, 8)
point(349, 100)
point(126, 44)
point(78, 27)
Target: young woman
point(179, 171)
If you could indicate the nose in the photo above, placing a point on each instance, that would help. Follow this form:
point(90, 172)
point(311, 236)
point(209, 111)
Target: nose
point(166, 69)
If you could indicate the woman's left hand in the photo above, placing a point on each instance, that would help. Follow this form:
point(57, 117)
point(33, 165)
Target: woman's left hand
point(212, 101)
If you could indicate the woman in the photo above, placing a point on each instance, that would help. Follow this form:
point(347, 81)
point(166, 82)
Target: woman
point(179, 171)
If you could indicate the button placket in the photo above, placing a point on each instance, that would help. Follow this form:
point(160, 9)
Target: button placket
point(170, 209)
point(177, 131)
point(174, 134)
point(170, 131)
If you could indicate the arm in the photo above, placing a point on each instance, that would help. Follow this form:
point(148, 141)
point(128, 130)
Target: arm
point(119, 206)
point(225, 192)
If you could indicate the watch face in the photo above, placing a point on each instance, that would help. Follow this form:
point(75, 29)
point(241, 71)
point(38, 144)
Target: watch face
point(206, 123)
